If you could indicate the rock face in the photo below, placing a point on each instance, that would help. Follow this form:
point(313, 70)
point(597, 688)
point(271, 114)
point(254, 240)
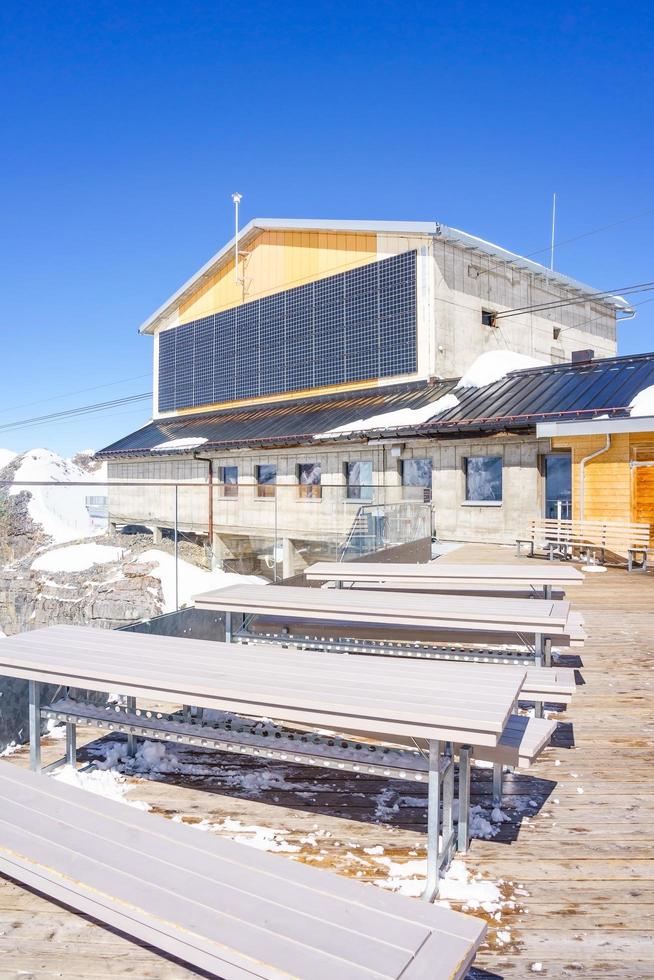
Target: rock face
point(101, 596)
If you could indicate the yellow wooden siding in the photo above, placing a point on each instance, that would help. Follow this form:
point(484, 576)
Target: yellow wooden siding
point(279, 260)
point(613, 490)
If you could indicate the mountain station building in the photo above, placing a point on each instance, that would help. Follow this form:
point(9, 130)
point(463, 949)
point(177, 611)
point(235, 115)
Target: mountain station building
point(346, 384)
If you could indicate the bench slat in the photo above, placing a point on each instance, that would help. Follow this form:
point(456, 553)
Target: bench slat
point(217, 904)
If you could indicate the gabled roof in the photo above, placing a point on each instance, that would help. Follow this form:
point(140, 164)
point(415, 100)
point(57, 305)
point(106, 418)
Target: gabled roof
point(401, 228)
point(519, 401)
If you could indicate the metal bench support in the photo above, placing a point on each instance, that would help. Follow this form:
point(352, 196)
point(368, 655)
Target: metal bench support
point(35, 725)
point(463, 830)
point(497, 783)
point(433, 820)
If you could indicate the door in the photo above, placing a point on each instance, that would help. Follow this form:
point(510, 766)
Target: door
point(643, 504)
point(558, 486)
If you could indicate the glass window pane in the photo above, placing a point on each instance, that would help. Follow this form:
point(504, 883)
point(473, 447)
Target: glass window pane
point(266, 479)
point(558, 486)
point(230, 481)
point(308, 478)
point(484, 478)
point(416, 479)
point(359, 480)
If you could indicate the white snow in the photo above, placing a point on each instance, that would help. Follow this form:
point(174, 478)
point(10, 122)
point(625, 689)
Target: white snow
point(6, 456)
point(495, 365)
point(642, 404)
point(393, 420)
point(60, 510)
point(76, 557)
point(179, 444)
point(105, 783)
point(192, 579)
point(408, 878)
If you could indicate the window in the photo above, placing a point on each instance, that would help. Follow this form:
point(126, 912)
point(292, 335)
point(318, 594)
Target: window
point(358, 480)
point(230, 481)
point(416, 479)
point(266, 480)
point(488, 318)
point(483, 478)
point(308, 478)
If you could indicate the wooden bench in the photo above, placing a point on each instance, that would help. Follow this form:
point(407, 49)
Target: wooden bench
point(567, 538)
point(439, 576)
point(219, 906)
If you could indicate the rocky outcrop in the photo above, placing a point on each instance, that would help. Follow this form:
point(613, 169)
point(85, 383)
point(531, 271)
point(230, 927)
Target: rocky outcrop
point(99, 597)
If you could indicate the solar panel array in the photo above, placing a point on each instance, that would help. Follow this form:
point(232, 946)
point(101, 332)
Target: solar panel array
point(353, 326)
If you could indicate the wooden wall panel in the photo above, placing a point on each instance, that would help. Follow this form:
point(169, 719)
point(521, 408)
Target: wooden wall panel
point(279, 260)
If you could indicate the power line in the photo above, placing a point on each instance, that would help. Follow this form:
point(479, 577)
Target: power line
point(75, 412)
point(568, 241)
point(66, 394)
point(555, 304)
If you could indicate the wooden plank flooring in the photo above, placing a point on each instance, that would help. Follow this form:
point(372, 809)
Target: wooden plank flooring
point(577, 863)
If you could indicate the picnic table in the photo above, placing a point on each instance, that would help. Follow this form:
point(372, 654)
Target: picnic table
point(438, 576)
point(466, 704)
point(475, 618)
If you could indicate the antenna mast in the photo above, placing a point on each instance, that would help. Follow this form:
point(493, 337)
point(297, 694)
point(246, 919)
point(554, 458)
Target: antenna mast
point(236, 198)
point(553, 227)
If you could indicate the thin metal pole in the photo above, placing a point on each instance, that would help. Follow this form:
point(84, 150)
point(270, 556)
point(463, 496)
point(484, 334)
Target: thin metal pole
point(130, 704)
point(497, 784)
point(465, 752)
point(433, 820)
point(71, 744)
point(176, 549)
point(35, 725)
point(553, 227)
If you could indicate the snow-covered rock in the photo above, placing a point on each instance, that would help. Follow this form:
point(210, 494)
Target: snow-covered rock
point(495, 365)
point(191, 578)
point(59, 511)
point(6, 457)
point(76, 557)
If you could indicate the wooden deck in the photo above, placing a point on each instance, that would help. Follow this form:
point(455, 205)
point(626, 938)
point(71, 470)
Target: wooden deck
point(575, 866)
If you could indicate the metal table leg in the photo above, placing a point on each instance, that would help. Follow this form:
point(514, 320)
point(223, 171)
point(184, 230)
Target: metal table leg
point(130, 704)
point(71, 744)
point(463, 839)
point(35, 725)
point(228, 627)
point(497, 784)
point(433, 820)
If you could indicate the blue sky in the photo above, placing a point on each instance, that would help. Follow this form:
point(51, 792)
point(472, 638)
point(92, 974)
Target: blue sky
point(127, 126)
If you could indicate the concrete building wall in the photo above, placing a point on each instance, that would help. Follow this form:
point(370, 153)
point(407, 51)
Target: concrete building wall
point(253, 523)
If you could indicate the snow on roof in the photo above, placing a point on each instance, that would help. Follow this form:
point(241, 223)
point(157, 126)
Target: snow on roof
point(400, 418)
point(190, 443)
point(494, 365)
point(60, 510)
point(643, 403)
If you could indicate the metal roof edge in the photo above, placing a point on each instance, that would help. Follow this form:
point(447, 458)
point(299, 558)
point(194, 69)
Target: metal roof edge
point(472, 241)
point(430, 228)
point(597, 426)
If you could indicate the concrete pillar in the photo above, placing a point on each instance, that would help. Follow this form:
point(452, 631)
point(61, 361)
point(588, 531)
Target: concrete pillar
point(290, 558)
point(223, 549)
point(157, 535)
